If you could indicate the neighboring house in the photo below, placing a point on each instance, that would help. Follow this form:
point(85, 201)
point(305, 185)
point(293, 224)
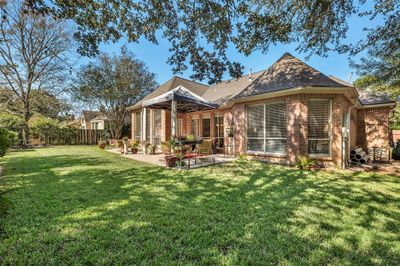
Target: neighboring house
point(93, 120)
point(287, 110)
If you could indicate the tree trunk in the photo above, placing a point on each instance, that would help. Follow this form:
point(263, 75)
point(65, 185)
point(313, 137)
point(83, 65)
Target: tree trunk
point(26, 114)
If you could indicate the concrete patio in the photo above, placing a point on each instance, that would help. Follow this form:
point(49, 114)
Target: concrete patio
point(158, 159)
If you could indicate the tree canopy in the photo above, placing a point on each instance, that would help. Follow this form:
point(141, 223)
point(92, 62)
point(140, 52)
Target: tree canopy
point(113, 84)
point(41, 102)
point(200, 31)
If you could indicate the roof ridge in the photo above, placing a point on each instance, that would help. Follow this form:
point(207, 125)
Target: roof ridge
point(175, 76)
point(225, 80)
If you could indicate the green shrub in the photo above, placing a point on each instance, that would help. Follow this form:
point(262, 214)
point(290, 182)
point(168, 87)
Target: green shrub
point(44, 127)
point(304, 162)
point(4, 141)
point(11, 121)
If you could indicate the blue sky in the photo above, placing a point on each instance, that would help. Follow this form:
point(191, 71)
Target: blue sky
point(155, 56)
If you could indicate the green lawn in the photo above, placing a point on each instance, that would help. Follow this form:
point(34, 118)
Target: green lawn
point(81, 205)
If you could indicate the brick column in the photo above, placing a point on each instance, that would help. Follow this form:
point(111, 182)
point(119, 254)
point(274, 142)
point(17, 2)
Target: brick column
point(336, 132)
point(296, 135)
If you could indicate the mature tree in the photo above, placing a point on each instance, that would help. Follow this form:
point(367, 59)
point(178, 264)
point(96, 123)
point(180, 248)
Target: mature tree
point(200, 31)
point(41, 102)
point(114, 83)
point(32, 54)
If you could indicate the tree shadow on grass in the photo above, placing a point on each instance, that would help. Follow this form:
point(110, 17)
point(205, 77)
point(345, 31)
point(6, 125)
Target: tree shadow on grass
point(121, 211)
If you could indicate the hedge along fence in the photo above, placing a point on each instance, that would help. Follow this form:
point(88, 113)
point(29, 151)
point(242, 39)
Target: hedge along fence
point(68, 136)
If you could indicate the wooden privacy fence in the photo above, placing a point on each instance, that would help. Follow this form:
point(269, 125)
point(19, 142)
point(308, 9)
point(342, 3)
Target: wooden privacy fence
point(88, 137)
point(71, 137)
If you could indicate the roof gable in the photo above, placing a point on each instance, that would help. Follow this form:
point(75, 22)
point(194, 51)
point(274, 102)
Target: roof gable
point(171, 84)
point(89, 115)
point(286, 73)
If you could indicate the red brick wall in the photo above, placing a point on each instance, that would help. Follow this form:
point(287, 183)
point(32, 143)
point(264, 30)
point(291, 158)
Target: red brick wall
point(373, 127)
point(368, 127)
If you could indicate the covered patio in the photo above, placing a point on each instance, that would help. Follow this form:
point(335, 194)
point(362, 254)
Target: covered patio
point(178, 100)
point(177, 145)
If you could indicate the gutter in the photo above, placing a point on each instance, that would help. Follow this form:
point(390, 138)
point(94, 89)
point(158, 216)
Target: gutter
point(381, 105)
point(296, 90)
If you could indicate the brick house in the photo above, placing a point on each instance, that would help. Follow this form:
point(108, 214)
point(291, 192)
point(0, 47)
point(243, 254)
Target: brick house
point(93, 120)
point(287, 110)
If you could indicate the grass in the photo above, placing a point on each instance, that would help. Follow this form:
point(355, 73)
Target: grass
point(81, 205)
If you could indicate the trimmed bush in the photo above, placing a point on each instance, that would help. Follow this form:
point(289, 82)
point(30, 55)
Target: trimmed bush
point(4, 141)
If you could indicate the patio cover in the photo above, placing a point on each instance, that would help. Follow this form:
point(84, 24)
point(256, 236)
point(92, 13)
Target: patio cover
point(186, 101)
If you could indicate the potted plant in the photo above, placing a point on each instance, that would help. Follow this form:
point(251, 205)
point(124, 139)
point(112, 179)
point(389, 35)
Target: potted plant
point(180, 162)
point(102, 144)
point(170, 160)
point(135, 147)
point(151, 148)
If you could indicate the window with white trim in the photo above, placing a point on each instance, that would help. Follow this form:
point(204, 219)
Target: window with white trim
point(206, 127)
point(319, 127)
point(267, 127)
point(195, 127)
point(179, 127)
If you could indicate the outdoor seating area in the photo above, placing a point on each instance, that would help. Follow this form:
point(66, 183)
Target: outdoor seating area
point(179, 153)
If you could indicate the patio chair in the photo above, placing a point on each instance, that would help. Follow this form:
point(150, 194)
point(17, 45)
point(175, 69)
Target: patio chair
point(205, 151)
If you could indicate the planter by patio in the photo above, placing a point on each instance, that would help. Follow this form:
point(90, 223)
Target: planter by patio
point(102, 145)
point(170, 161)
point(134, 150)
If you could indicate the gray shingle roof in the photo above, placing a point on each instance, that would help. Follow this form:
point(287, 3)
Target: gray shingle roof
point(369, 98)
point(286, 73)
